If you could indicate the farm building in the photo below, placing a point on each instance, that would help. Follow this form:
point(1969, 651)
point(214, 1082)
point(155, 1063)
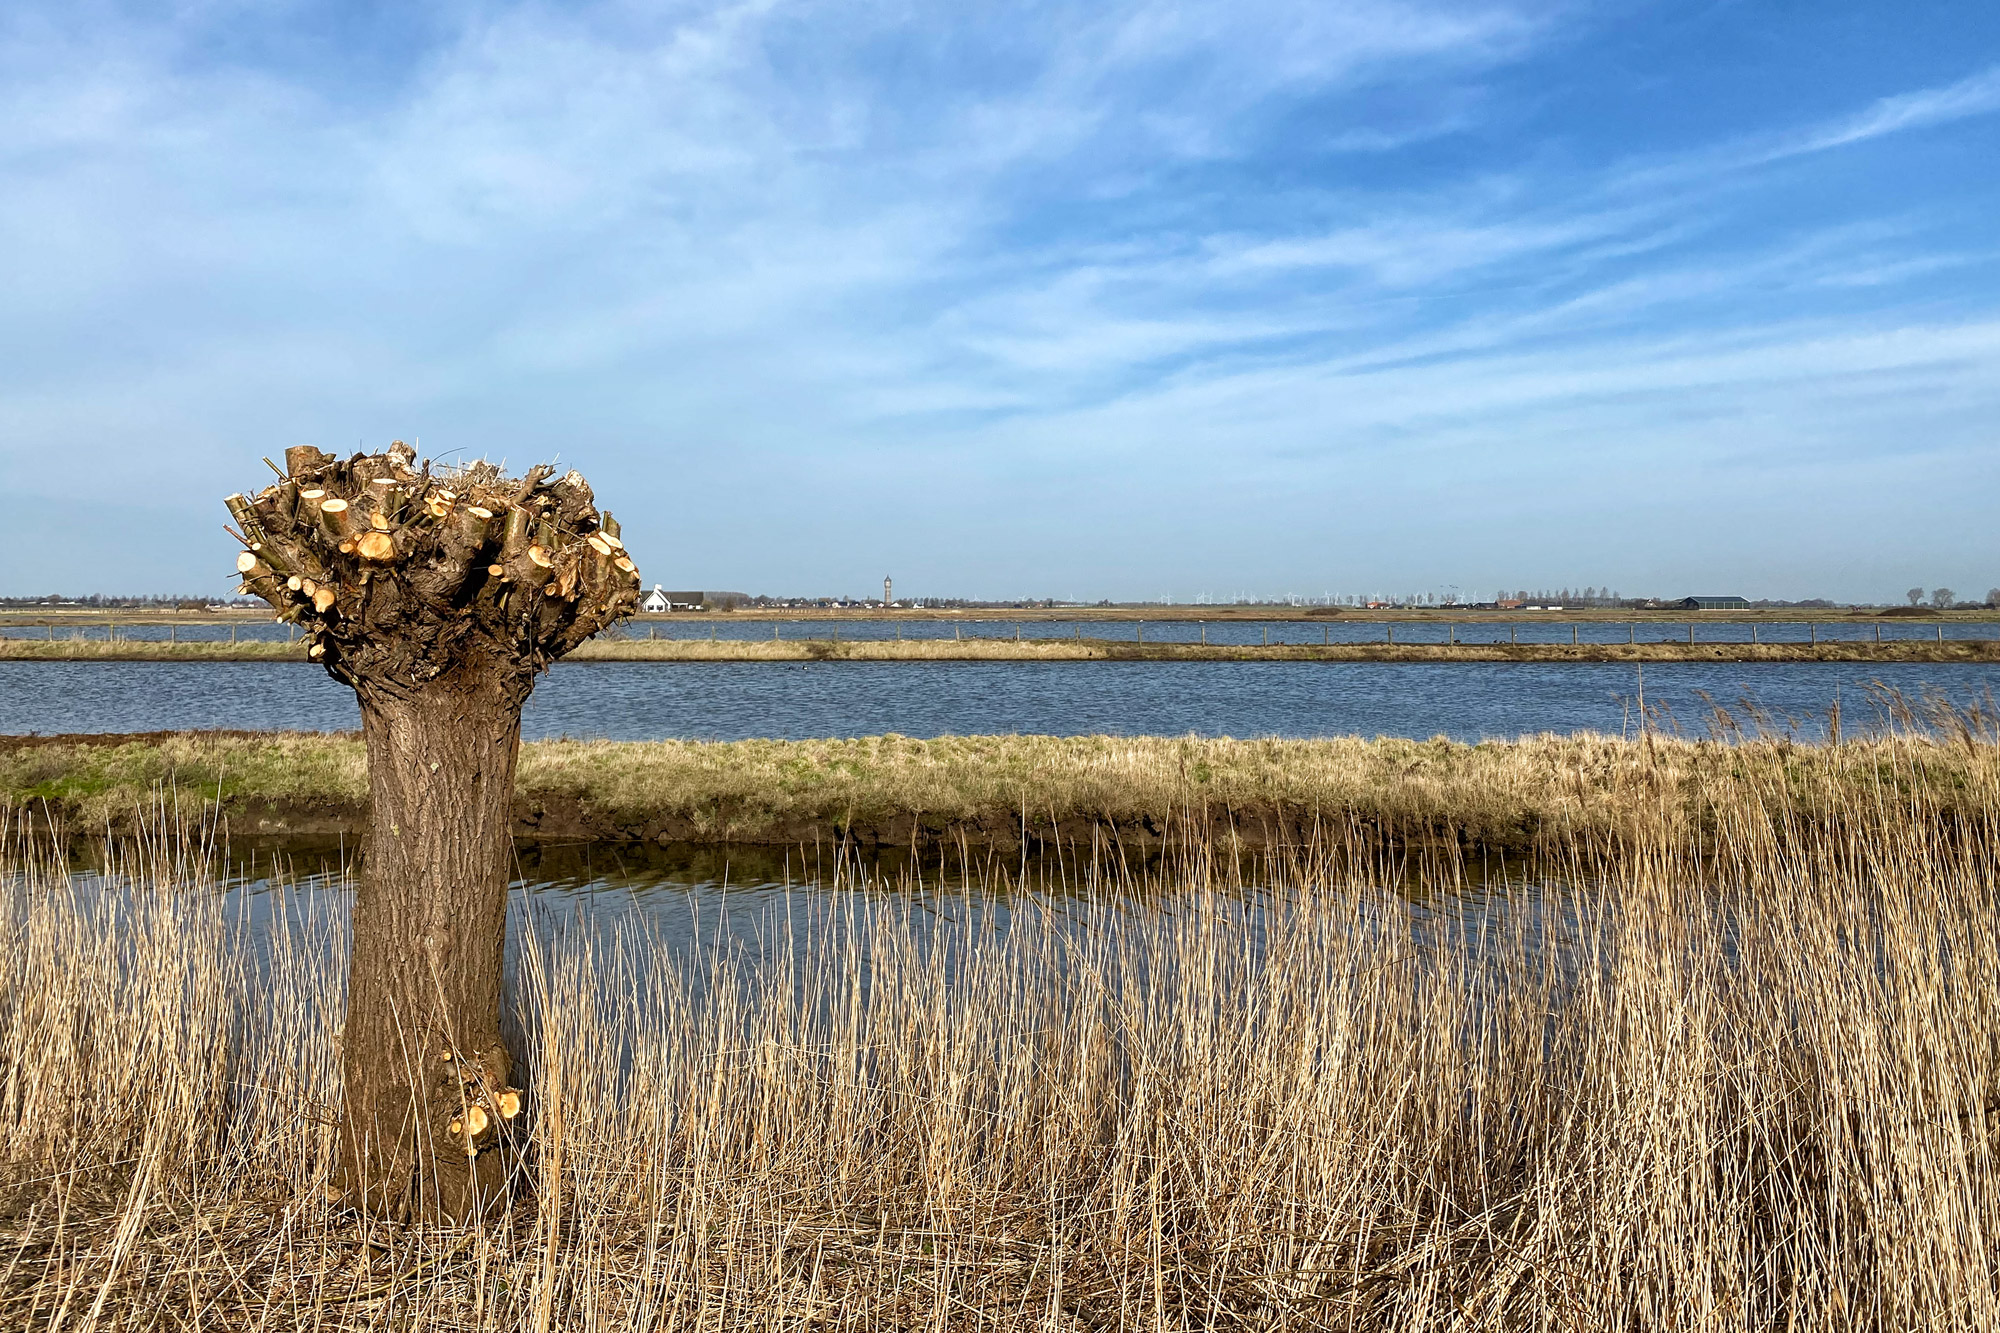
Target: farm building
point(659, 599)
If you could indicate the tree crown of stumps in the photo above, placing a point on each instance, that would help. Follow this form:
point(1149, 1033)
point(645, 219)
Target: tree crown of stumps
point(398, 574)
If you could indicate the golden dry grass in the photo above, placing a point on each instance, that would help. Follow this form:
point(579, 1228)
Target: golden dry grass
point(1500, 793)
point(145, 650)
point(995, 788)
point(1746, 1083)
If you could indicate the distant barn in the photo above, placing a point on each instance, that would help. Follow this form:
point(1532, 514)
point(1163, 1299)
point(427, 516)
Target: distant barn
point(1713, 604)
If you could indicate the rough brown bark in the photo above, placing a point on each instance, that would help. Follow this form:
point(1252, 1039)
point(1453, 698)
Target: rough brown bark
point(406, 586)
point(422, 1043)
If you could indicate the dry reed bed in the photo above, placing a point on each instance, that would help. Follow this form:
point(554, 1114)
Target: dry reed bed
point(897, 790)
point(1750, 1084)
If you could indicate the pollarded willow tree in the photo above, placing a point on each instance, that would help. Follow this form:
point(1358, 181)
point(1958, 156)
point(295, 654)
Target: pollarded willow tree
point(438, 596)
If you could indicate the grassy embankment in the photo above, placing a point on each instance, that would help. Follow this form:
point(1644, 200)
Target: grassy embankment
point(1748, 1084)
point(1072, 650)
point(996, 790)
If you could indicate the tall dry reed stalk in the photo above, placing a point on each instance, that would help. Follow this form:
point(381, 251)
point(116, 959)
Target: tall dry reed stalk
point(1748, 1083)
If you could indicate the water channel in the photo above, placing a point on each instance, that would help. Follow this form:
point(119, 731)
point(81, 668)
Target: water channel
point(786, 700)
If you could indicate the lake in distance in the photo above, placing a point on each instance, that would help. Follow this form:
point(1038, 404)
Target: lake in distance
point(795, 701)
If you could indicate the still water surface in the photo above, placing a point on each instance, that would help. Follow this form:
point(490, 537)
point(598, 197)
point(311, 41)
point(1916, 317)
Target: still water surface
point(736, 700)
point(683, 910)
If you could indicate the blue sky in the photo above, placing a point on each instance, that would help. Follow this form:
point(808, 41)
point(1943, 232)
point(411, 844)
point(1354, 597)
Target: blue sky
point(1094, 300)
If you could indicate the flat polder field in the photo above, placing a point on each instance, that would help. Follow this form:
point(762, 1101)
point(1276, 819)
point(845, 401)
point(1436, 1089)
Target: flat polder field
point(1032, 1032)
point(1710, 1044)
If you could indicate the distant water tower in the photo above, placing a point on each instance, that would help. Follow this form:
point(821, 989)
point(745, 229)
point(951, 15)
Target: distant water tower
point(888, 591)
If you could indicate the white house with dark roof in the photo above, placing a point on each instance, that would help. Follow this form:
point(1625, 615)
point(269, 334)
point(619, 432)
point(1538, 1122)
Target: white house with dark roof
point(659, 599)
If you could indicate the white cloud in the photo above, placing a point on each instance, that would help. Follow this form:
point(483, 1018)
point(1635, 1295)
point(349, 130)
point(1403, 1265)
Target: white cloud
point(1924, 108)
point(1976, 95)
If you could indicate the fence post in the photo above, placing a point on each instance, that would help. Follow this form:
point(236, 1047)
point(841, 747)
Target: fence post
point(1267, 636)
point(1513, 634)
point(1142, 633)
point(1940, 631)
point(1572, 635)
point(1391, 630)
point(1878, 631)
point(1690, 634)
point(1631, 633)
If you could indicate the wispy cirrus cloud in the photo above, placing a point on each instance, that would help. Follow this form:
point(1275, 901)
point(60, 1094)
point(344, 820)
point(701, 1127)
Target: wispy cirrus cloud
point(1975, 95)
point(1717, 165)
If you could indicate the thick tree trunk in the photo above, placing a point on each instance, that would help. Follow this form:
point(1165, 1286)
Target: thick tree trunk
point(428, 1080)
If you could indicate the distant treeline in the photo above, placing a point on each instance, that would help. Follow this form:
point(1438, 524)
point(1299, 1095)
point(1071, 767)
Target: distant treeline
point(102, 601)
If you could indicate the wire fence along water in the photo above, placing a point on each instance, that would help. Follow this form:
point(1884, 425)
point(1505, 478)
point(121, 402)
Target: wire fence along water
point(152, 631)
point(1222, 633)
